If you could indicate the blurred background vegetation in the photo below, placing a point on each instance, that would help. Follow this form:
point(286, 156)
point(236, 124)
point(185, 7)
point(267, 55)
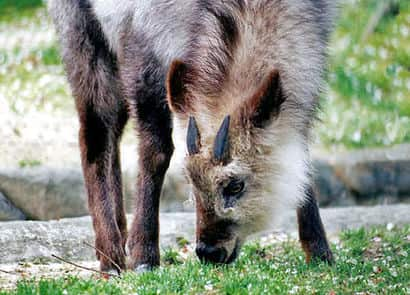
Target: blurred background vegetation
point(369, 76)
point(367, 101)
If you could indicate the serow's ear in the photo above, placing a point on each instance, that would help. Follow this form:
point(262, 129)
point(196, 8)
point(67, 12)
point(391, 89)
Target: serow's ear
point(176, 87)
point(265, 104)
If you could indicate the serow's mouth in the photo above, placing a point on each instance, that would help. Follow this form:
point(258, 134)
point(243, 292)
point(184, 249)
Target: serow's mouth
point(234, 254)
point(216, 255)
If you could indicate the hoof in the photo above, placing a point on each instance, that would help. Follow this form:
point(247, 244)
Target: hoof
point(323, 255)
point(142, 268)
point(326, 256)
point(317, 252)
point(110, 273)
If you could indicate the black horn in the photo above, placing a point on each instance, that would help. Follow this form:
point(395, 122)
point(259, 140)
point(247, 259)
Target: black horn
point(221, 145)
point(193, 137)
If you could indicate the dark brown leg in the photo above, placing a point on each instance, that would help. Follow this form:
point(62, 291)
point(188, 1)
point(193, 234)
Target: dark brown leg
point(118, 197)
point(99, 137)
point(311, 231)
point(154, 128)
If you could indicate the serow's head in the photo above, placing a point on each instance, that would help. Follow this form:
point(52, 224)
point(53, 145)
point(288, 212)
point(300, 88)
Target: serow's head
point(228, 162)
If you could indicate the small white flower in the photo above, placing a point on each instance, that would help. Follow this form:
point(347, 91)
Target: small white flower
point(294, 290)
point(408, 84)
point(393, 272)
point(370, 50)
point(383, 53)
point(209, 287)
point(404, 30)
point(357, 136)
point(378, 95)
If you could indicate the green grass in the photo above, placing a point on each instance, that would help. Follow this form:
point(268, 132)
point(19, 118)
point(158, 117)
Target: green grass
point(369, 80)
point(12, 10)
point(29, 163)
point(33, 79)
point(375, 261)
point(367, 104)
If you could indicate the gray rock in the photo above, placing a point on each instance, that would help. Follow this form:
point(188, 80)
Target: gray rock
point(8, 211)
point(43, 193)
point(37, 240)
point(379, 176)
point(175, 194)
point(330, 190)
point(369, 176)
point(338, 219)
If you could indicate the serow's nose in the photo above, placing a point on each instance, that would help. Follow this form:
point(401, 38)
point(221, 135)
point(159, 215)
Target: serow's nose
point(210, 254)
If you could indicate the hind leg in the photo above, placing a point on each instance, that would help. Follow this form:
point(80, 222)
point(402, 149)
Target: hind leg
point(311, 231)
point(117, 191)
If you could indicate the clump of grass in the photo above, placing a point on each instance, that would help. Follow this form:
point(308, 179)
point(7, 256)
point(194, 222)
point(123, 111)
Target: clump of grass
point(69, 285)
point(373, 261)
point(50, 56)
point(29, 163)
point(171, 256)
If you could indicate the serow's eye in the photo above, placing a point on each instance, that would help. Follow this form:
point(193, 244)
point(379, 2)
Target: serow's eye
point(232, 192)
point(234, 188)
